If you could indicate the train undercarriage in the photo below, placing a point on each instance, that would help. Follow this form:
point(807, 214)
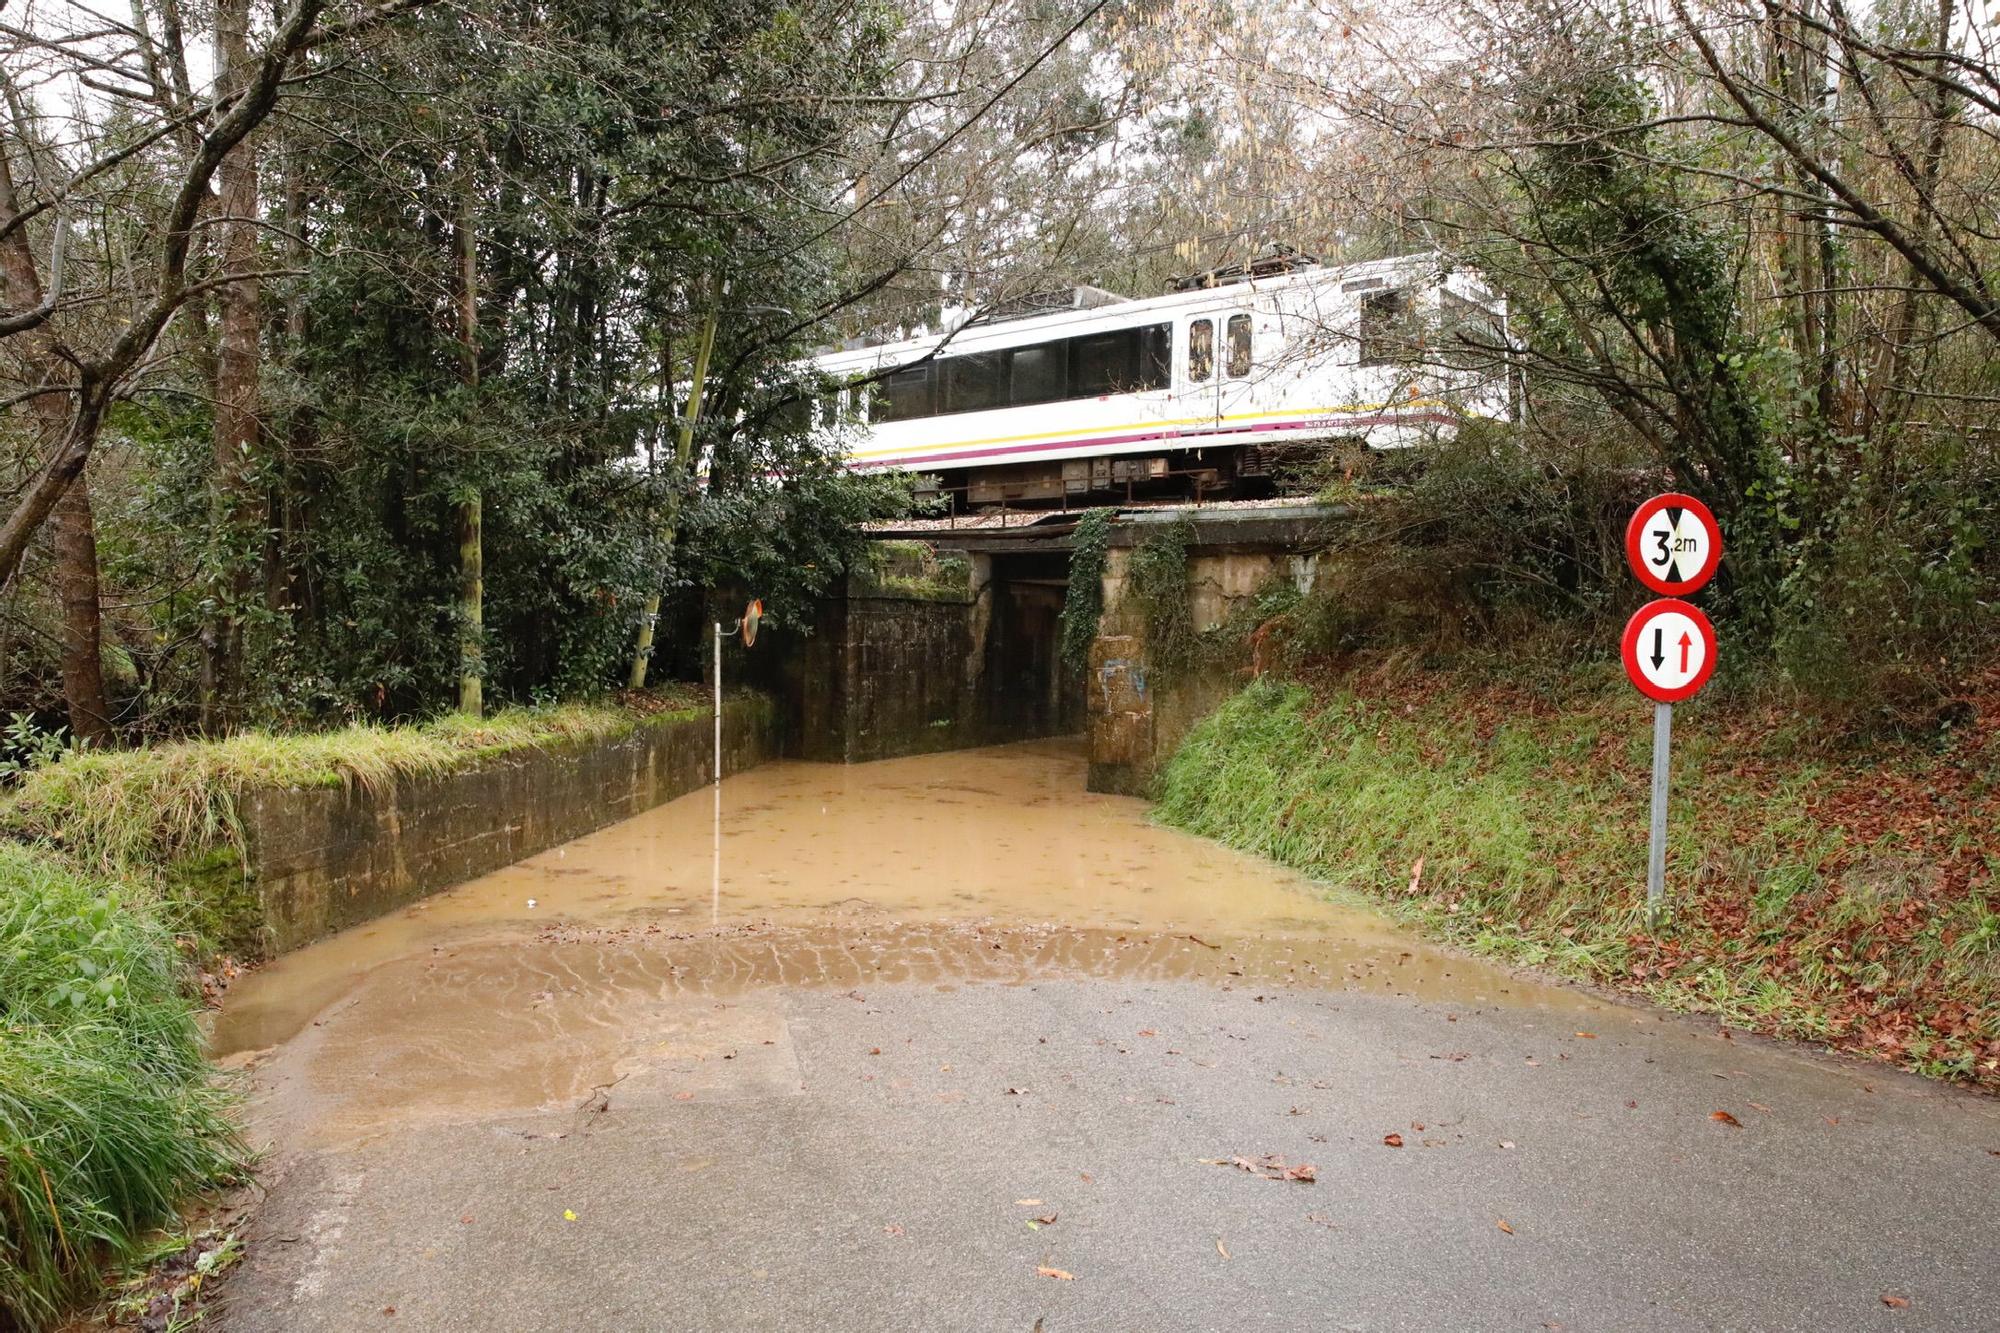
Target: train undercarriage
point(1218, 472)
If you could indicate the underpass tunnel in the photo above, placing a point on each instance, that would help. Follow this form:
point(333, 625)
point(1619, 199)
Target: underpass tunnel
point(1028, 689)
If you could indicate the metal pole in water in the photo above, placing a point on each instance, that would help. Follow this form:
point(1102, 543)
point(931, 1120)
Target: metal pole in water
point(1656, 849)
point(715, 883)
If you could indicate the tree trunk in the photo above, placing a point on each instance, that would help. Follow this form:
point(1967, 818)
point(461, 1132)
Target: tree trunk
point(234, 504)
point(642, 655)
point(75, 539)
point(99, 375)
point(285, 582)
point(471, 541)
point(74, 534)
point(471, 605)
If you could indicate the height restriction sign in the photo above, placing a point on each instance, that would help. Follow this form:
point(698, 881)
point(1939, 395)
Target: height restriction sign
point(1673, 543)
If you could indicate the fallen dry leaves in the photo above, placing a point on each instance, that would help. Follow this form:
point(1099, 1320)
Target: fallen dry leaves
point(1270, 1167)
point(1723, 1117)
point(1895, 1302)
point(1392, 1140)
point(1502, 1224)
point(1057, 1273)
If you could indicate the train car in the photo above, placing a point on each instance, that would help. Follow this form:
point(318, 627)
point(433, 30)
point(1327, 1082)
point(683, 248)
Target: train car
point(1206, 391)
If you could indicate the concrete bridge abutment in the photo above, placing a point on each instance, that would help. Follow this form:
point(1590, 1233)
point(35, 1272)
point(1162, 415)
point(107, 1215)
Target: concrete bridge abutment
point(951, 638)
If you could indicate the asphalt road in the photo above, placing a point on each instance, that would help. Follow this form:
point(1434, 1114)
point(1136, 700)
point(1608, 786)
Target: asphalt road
point(873, 1160)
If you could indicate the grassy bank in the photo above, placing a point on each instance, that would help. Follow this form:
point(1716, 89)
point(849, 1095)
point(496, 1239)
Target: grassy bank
point(137, 812)
point(108, 1117)
point(1841, 897)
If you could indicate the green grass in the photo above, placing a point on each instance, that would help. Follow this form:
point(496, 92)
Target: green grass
point(1528, 816)
point(108, 1115)
point(136, 811)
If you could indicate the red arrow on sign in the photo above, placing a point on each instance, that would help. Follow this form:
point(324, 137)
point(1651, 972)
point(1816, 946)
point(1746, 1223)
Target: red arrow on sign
point(1668, 620)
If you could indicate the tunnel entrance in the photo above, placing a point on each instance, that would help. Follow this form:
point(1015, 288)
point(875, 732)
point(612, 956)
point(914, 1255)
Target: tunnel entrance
point(928, 647)
point(1029, 690)
point(949, 635)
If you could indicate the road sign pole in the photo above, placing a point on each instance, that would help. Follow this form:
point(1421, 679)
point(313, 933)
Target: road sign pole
point(1656, 848)
point(715, 882)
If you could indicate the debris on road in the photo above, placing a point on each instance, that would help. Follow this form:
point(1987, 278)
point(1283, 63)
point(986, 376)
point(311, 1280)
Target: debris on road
point(1270, 1167)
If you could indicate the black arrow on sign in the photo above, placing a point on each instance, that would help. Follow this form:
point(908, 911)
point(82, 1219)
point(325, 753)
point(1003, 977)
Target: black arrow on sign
point(1658, 655)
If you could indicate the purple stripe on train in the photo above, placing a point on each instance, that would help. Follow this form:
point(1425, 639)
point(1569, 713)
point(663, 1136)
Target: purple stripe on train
point(1380, 419)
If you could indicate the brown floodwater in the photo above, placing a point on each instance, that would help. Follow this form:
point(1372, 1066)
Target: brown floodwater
point(625, 953)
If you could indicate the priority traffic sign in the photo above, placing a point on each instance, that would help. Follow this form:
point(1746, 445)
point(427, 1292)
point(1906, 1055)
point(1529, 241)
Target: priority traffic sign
point(1673, 543)
point(1669, 650)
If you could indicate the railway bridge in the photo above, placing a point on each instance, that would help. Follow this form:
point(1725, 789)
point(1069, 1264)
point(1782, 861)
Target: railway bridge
point(951, 638)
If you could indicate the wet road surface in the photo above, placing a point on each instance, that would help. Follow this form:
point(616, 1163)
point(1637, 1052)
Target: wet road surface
point(934, 1001)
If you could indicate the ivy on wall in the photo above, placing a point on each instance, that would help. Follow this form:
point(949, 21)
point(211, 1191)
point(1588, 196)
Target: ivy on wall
point(1158, 582)
point(1083, 607)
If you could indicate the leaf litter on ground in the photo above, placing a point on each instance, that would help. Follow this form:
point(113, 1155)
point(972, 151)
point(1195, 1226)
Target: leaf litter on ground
point(1269, 1167)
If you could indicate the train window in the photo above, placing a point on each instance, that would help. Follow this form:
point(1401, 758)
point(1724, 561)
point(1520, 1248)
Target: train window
point(1117, 361)
point(904, 395)
point(1102, 363)
point(1201, 351)
point(1470, 335)
point(1387, 333)
point(1239, 346)
point(1156, 356)
point(791, 417)
point(975, 382)
point(1038, 374)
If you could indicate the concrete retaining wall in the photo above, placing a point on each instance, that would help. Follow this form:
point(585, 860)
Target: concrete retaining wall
point(322, 859)
point(1139, 715)
point(892, 671)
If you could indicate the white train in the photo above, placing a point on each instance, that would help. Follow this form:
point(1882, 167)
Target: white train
point(1202, 391)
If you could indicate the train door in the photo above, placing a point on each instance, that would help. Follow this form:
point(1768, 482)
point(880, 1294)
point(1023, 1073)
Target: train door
point(1200, 383)
point(1236, 366)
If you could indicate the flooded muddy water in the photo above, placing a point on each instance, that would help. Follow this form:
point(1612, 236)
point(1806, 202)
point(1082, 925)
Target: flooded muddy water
point(623, 954)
